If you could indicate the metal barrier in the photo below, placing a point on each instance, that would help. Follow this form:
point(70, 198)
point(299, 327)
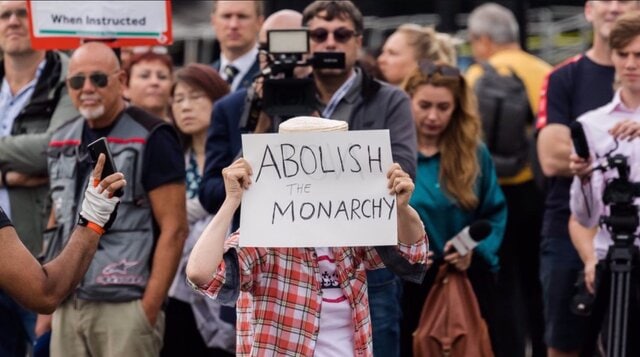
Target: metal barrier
point(554, 33)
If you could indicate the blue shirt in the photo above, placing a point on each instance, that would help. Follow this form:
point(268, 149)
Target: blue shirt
point(10, 106)
point(444, 218)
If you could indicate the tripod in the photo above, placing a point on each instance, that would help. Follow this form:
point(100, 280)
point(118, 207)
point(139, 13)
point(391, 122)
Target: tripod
point(616, 293)
point(617, 276)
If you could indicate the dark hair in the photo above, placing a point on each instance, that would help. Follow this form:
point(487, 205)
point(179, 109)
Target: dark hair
point(344, 10)
point(149, 56)
point(201, 77)
point(204, 78)
point(624, 30)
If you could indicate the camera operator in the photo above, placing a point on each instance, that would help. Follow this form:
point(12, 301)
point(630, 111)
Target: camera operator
point(605, 191)
point(224, 142)
point(582, 241)
point(619, 120)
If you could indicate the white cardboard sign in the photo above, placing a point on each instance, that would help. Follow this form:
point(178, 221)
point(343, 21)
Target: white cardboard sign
point(318, 190)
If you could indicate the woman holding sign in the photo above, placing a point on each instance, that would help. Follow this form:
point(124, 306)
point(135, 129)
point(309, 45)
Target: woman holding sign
point(297, 301)
point(456, 186)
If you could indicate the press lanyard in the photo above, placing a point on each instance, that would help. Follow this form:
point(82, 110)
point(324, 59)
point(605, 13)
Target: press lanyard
point(338, 95)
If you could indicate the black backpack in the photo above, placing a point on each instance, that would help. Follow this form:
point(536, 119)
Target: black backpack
point(505, 111)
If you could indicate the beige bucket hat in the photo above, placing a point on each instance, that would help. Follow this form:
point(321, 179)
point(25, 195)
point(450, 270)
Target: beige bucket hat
point(312, 124)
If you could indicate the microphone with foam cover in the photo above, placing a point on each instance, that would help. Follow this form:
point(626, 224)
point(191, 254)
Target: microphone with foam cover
point(579, 140)
point(470, 236)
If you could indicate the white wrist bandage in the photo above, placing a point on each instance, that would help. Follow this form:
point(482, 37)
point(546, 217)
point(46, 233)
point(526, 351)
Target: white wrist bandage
point(97, 207)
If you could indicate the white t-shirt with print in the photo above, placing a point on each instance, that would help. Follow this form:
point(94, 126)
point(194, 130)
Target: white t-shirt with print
point(336, 322)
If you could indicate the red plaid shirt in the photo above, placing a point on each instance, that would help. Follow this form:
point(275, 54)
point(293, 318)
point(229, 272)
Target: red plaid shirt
point(281, 296)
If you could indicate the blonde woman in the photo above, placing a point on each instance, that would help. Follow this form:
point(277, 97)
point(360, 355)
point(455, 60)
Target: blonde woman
point(410, 44)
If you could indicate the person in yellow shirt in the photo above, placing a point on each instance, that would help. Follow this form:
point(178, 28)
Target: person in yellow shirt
point(494, 38)
point(506, 56)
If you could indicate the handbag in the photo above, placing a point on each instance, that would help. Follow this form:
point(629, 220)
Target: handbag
point(450, 321)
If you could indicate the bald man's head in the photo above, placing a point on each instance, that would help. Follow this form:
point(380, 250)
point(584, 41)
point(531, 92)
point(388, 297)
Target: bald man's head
point(95, 52)
point(280, 20)
point(95, 83)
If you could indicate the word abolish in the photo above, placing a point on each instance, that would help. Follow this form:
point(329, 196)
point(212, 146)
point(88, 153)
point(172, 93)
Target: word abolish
point(287, 160)
point(348, 210)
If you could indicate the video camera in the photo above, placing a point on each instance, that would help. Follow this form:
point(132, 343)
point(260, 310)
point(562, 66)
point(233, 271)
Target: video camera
point(283, 94)
point(622, 221)
point(616, 277)
point(619, 195)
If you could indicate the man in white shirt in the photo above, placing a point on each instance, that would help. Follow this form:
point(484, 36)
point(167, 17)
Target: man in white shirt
point(611, 129)
point(236, 25)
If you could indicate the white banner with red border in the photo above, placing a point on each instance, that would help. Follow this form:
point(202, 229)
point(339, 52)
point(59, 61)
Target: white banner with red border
point(67, 24)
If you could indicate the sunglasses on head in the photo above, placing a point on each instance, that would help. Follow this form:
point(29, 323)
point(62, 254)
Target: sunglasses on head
point(98, 79)
point(341, 34)
point(429, 69)
point(20, 13)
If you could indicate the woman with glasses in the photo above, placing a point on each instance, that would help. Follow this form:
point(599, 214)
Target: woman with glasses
point(456, 186)
point(195, 324)
point(149, 82)
point(409, 44)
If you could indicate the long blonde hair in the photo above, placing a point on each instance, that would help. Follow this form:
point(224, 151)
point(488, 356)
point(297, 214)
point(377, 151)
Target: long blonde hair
point(429, 44)
point(458, 144)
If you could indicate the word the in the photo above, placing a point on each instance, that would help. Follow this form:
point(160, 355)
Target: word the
point(298, 188)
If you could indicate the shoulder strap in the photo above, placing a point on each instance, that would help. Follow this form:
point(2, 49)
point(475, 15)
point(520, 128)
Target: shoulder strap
point(486, 67)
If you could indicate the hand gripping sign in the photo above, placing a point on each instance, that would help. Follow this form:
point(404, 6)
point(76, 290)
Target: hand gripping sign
point(318, 189)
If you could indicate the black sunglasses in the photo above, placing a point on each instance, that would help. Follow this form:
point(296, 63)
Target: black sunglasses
point(341, 34)
point(98, 79)
point(429, 68)
point(20, 13)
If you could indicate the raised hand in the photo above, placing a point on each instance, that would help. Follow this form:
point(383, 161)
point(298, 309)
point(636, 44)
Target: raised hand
point(99, 204)
point(626, 129)
point(579, 166)
point(237, 178)
point(400, 183)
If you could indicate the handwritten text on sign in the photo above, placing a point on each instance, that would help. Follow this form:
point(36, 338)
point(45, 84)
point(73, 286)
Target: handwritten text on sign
point(318, 190)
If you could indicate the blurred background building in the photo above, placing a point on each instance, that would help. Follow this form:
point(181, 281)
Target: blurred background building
point(551, 29)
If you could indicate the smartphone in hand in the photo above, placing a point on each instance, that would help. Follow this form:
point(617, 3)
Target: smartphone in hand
point(98, 147)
